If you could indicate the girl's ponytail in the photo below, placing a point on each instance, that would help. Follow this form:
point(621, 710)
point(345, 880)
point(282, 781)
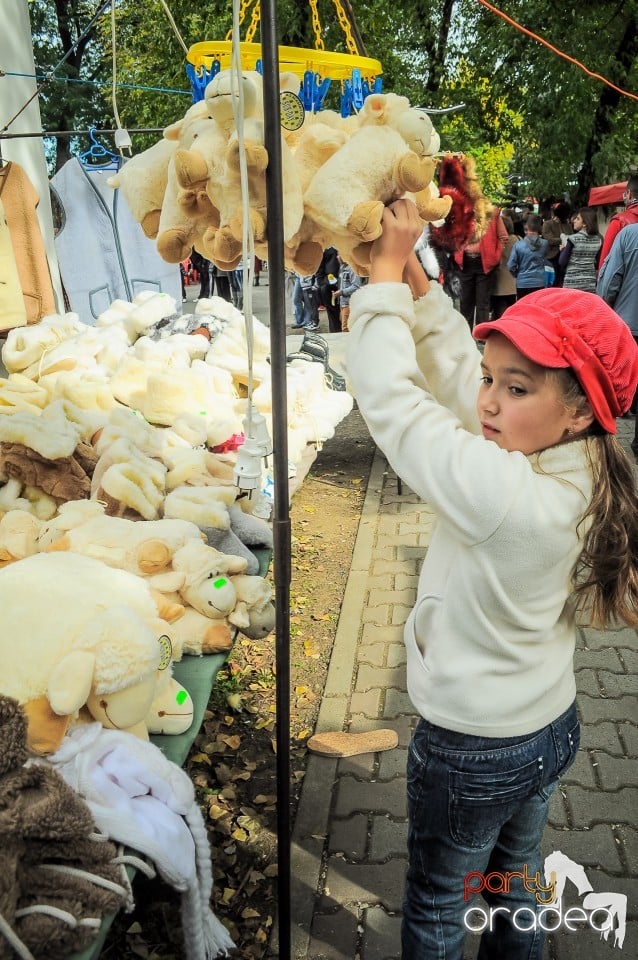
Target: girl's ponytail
point(606, 575)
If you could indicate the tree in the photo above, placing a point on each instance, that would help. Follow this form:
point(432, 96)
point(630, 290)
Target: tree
point(528, 112)
point(70, 100)
point(576, 131)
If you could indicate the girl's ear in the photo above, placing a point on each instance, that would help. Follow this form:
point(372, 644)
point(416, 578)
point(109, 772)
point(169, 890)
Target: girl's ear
point(582, 417)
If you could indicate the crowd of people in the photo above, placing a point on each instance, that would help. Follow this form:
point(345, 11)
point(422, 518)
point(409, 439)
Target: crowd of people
point(330, 287)
point(227, 284)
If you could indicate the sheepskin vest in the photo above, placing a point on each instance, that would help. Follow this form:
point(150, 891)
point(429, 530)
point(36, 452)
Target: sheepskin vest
point(20, 200)
point(103, 253)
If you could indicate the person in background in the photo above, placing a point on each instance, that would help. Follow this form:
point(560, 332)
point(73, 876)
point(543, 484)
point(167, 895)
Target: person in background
point(515, 453)
point(504, 288)
point(527, 260)
point(349, 282)
point(618, 286)
point(182, 275)
point(478, 260)
point(310, 294)
point(578, 259)
point(327, 280)
point(221, 279)
point(298, 305)
point(553, 229)
point(236, 278)
point(257, 271)
point(623, 218)
point(202, 265)
point(517, 220)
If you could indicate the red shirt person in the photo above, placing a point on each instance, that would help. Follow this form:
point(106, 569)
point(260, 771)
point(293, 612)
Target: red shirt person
point(621, 219)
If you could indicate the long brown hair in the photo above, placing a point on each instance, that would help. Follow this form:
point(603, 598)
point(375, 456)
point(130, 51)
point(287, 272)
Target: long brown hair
point(605, 578)
point(590, 219)
point(606, 575)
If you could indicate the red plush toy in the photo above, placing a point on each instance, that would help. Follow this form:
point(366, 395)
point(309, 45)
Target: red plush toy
point(459, 223)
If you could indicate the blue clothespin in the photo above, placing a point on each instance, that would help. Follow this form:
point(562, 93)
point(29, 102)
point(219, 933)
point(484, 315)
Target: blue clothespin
point(307, 90)
point(321, 91)
point(357, 89)
point(199, 78)
point(313, 91)
point(346, 98)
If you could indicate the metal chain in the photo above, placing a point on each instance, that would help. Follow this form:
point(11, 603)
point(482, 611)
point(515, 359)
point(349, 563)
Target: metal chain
point(254, 23)
point(242, 13)
point(316, 25)
point(345, 26)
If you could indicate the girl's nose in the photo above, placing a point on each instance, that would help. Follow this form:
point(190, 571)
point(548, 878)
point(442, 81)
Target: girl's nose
point(488, 400)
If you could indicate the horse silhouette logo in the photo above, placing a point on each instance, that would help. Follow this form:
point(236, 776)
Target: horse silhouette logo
point(559, 868)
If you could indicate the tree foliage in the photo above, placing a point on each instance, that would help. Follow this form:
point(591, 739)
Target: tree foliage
point(530, 117)
point(576, 130)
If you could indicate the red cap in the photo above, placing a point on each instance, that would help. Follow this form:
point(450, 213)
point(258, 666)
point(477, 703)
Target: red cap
point(559, 327)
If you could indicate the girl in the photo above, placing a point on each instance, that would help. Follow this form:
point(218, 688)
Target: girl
point(578, 259)
point(527, 259)
point(537, 518)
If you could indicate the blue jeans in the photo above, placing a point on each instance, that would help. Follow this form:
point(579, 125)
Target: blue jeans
point(478, 806)
point(297, 303)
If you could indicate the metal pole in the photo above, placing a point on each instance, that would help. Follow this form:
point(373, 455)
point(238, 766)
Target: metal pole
point(281, 517)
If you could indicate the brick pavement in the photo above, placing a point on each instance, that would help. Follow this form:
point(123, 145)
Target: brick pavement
point(349, 840)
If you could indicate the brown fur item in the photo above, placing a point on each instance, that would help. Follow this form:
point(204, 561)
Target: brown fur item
point(47, 832)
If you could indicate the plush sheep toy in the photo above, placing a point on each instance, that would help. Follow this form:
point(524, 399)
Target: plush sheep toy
point(80, 635)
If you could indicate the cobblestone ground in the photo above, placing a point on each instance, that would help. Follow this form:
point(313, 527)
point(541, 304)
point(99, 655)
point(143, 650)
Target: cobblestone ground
point(349, 852)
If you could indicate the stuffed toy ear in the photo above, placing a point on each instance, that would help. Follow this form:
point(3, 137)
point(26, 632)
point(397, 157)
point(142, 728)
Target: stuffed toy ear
point(375, 107)
point(46, 729)
point(169, 582)
point(289, 81)
point(70, 682)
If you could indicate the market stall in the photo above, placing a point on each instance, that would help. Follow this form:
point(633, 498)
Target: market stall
point(154, 453)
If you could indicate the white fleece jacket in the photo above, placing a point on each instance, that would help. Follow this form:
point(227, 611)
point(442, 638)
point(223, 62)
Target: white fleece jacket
point(491, 638)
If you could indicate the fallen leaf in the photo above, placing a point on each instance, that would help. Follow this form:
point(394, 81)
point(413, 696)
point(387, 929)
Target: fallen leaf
point(232, 742)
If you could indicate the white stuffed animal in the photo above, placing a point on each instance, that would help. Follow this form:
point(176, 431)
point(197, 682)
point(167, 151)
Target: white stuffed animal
point(82, 635)
point(142, 180)
point(142, 547)
point(224, 244)
point(178, 232)
point(200, 578)
point(391, 153)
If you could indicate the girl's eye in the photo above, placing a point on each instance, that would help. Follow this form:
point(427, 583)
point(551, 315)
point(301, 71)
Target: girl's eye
point(486, 379)
point(517, 391)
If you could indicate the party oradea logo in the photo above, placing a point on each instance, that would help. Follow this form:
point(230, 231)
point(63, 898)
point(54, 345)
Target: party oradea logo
point(603, 912)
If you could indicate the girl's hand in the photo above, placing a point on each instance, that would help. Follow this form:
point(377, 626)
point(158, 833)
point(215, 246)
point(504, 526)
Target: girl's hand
point(389, 254)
